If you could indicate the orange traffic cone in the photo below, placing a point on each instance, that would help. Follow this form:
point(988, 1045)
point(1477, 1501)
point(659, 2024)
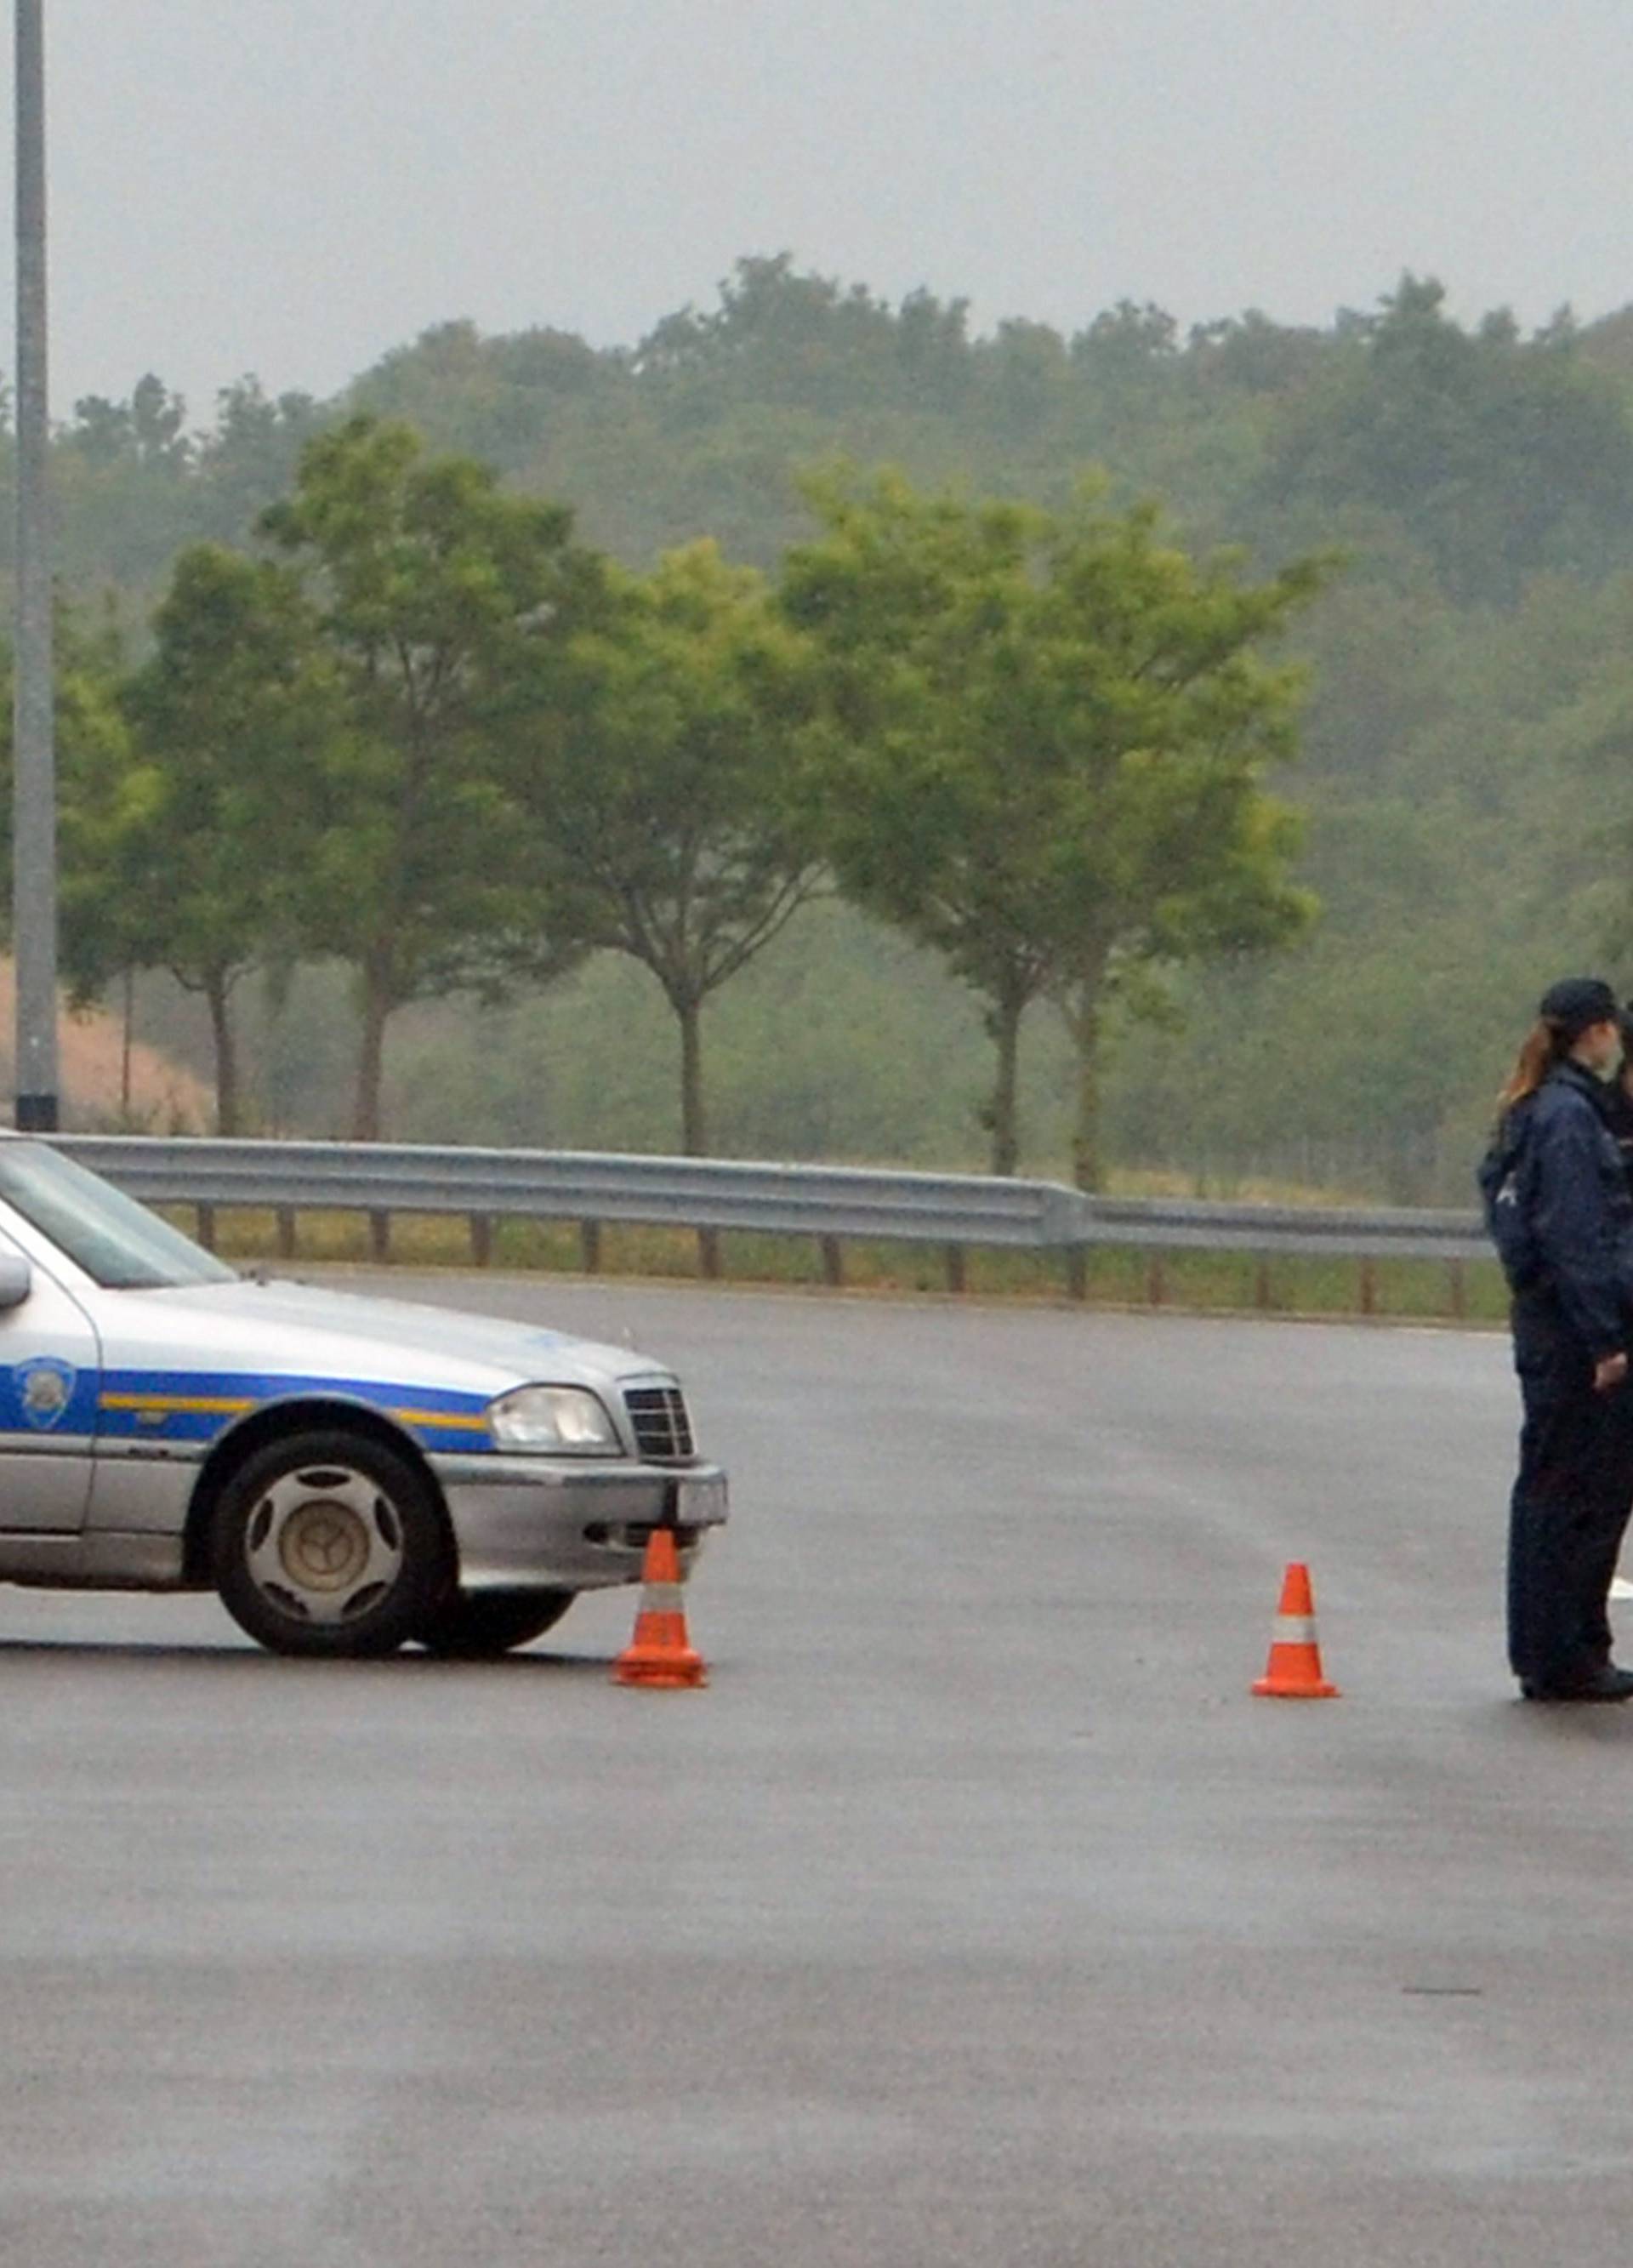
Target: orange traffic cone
point(1294, 1670)
point(660, 1653)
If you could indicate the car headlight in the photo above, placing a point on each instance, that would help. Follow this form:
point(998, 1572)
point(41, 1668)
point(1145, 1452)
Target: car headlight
point(555, 1421)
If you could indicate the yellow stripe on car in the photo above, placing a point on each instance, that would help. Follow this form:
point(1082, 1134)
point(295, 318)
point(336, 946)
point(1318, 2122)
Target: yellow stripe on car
point(178, 1406)
point(459, 1422)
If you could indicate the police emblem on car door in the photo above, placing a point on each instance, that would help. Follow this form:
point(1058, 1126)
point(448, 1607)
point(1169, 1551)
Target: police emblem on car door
point(50, 1377)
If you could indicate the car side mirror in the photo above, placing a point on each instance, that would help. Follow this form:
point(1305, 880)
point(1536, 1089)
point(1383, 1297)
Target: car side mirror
point(17, 1279)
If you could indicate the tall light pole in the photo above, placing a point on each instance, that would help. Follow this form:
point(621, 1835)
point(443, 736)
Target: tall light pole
point(34, 894)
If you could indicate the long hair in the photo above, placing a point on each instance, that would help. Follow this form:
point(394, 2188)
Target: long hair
point(1544, 1045)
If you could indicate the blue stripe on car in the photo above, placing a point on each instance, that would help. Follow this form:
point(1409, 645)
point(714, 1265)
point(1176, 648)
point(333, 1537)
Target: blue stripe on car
point(197, 1406)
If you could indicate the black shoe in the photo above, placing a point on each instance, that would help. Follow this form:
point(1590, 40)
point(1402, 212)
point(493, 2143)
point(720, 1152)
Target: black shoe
point(1608, 1684)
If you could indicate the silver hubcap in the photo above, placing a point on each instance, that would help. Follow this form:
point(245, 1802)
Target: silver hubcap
point(325, 1544)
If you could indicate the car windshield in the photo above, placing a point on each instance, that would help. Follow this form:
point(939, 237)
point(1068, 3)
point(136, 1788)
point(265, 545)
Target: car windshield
point(118, 1243)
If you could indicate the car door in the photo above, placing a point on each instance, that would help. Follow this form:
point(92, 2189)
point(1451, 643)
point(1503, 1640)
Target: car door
point(50, 1385)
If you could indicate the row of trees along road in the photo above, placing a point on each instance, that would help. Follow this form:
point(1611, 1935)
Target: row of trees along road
point(427, 733)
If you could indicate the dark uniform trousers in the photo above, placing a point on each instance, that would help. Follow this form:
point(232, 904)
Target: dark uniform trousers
point(1571, 1503)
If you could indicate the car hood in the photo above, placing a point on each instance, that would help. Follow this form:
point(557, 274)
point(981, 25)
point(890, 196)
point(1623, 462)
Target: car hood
point(308, 1332)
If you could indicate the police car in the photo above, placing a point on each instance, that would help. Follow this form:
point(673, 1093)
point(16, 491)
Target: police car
point(348, 1474)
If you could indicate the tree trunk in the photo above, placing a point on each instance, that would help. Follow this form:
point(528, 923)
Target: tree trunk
point(1003, 1021)
point(125, 1047)
point(376, 1006)
point(693, 1120)
point(694, 1123)
point(1083, 1020)
point(218, 995)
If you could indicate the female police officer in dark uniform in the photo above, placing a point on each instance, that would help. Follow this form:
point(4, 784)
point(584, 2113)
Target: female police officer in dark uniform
point(1572, 1320)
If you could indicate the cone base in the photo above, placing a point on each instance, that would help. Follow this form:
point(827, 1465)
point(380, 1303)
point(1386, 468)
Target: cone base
point(673, 1670)
point(1276, 1688)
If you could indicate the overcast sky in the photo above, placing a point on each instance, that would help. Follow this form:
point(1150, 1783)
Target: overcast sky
point(292, 186)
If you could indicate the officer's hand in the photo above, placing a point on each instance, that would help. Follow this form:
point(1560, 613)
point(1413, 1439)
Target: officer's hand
point(1611, 1371)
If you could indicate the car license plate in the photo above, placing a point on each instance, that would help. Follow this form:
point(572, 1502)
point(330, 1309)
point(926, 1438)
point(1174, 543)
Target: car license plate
point(701, 1502)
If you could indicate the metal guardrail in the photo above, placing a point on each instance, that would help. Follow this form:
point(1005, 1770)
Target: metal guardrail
point(1348, 1232)
point(829, 1203)
point(562, 1185)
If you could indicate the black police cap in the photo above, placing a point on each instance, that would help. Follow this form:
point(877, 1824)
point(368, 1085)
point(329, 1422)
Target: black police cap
point(1576, 1002)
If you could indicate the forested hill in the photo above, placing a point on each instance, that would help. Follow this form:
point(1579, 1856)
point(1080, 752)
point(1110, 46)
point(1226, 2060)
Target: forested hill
point(1470, 724)
point(1482, 457)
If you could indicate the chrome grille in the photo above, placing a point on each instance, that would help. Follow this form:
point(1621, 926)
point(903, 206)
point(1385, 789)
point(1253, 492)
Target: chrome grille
point(663, 1431)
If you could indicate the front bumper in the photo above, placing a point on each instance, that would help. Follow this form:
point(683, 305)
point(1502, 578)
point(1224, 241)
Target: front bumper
point(532, 1523)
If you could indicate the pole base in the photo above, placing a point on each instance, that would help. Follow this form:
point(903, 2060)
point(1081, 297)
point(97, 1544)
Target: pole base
point(38, 1114)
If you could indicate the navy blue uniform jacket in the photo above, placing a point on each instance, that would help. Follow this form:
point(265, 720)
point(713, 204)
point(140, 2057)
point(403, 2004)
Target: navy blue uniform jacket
point(1574, 1186)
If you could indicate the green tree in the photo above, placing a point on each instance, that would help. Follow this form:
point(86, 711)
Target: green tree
point(436, 594)
point(665, 820)
point(1161, 717)
point(92, 744)
point(918, 606)
point(188, 848)
point(1050, 736)
point(94, 757)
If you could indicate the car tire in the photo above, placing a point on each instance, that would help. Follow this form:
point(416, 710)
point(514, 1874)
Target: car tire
point(481, 1625)
point(330, 1543)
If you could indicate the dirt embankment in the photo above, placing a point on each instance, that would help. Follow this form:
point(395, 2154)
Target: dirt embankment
point(163, 1096)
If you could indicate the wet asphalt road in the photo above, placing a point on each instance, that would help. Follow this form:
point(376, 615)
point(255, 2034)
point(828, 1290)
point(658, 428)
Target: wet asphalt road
point(975, 1914)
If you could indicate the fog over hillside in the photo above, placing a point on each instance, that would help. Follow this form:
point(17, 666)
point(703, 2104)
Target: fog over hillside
point(288, 190)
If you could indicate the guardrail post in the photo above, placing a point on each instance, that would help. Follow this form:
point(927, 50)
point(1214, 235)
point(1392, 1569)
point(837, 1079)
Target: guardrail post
point(379, 1235)
point(482, 1239)
point(955, 1268)
point(1457, 1288)
point(589, 1245)
point(1156, 1280)
point(286, 1232)
point(1076, 1272)
point(207, 1226)
point(833, 1263)
point(1369, 1287)
point(1262, 1299)
point(708, 1253)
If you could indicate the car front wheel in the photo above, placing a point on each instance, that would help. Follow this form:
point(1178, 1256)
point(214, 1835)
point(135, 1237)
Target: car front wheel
point(330, 1543)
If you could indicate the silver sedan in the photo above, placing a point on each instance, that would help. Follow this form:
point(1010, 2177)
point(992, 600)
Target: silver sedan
point(350, 1474)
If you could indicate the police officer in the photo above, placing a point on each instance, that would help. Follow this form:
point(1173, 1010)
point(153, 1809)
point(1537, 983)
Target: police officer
point(1572, 1324)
